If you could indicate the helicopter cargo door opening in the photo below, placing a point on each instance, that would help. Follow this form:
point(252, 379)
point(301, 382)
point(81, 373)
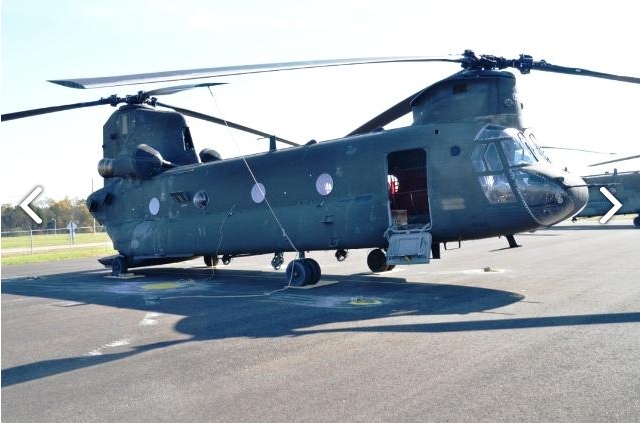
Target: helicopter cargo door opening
point(408, 195)
point(408, 236)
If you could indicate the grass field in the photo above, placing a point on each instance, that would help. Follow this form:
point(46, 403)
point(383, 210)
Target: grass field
point(56, 255)
point(51, 240)
point(53, 247)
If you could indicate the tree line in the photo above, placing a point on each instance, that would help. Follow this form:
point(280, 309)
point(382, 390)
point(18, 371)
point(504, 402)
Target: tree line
point(54, 215)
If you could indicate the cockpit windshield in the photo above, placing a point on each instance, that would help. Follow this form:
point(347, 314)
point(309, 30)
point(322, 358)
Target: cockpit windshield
point(515, 148)
point(531, 140)
point(519, 148)
point(501, 159)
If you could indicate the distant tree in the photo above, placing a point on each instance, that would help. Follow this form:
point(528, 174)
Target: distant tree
point(54, 214)
point(15, 219)
point(81, 213)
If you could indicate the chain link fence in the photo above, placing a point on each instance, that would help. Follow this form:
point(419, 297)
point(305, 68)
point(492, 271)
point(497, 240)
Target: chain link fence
point(45, 239)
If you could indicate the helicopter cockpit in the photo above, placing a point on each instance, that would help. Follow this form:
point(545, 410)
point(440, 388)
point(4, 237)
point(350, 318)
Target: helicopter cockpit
point(511, 167)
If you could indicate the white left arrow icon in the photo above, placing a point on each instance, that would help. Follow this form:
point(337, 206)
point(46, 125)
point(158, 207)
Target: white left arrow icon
point(25, 205)
point(616, 205)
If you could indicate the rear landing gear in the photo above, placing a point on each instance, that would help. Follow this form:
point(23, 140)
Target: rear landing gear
point(119, 265)
point(304, 271)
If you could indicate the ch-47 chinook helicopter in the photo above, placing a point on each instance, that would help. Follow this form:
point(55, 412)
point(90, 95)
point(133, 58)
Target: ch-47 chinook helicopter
point(466, 168)
point(624, 185)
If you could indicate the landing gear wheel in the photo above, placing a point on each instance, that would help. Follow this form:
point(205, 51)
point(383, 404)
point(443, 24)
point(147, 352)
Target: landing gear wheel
point(377, 261)
point(315, 272)
point(211, 261)
point(298, 273)
point(226, 259)
point(636, 221)
point(119, 266)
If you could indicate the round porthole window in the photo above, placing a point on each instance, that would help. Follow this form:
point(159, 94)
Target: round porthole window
point(324, 184)
point(201, 200)
point(258, 193)
point(154, 206)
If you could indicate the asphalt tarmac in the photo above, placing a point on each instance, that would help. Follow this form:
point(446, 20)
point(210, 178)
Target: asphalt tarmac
point(549, 331)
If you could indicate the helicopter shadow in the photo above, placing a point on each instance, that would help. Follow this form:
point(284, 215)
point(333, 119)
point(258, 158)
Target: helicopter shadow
point(231, 303)
point(228, 303)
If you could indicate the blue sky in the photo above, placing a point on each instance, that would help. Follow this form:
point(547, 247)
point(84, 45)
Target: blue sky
point(44, 40)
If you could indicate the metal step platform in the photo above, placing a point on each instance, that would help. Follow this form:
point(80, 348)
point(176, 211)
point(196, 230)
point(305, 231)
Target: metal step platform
point(408, 245)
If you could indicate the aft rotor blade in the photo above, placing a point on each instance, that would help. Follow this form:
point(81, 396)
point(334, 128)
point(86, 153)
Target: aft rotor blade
point(178, 75)
point(113, 100)
point(179, 88)
point(53, 109)
point(223, 122)
point(386, 117)
point(616, 160)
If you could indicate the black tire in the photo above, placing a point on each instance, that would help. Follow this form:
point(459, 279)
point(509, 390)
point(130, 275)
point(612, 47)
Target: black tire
point(211, 261)
point(377, 261)
point(298, 273)
point(315, 271)
point(119, 266)
point(636, 221)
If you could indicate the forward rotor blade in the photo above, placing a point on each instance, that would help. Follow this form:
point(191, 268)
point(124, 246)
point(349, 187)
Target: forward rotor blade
point(548, 67)
point(616, 160)
point(548, 147)
point(53, 109)
point(386, 117)
point(223, 122)
point(177, 75)
point(525, 64)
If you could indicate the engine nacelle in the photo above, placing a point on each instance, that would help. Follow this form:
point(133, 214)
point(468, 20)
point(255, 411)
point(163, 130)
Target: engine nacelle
point(145, 162)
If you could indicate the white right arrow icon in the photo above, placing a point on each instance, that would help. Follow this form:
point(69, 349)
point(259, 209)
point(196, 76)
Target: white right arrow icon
point(27, 209)
point(616, 205)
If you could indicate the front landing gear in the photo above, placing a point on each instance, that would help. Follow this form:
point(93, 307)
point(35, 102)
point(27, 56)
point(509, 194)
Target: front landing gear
point(377, 261)
point(636, 221)
point(211, 261)
point(304, 271)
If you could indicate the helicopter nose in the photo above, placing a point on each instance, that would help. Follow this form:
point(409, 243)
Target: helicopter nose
point(578, 191)
point(551, 195)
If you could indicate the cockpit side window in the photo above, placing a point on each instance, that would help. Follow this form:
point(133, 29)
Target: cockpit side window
point(517, 152)
point(187, 141)
point(491, 176)
point(492, 159)
point(485, 158)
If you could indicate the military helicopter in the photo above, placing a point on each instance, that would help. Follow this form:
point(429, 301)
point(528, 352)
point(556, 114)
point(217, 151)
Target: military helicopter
point(625, 186)
point(466, 168)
